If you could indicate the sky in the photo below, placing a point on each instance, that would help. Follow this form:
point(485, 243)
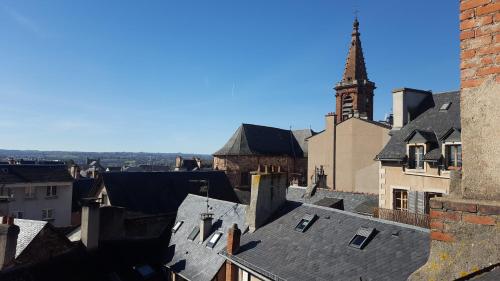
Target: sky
point(181, 76)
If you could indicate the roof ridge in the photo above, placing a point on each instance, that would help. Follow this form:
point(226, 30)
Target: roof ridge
point(367, 217)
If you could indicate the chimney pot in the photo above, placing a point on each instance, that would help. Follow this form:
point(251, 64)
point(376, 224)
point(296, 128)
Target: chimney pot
point(233, 240)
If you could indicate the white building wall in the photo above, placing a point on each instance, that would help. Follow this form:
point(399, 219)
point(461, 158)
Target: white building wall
point(32, 207)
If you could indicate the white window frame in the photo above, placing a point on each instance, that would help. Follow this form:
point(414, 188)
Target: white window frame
point(445, 157)
point(417, 170)
point(46, 212)
point(51, 191)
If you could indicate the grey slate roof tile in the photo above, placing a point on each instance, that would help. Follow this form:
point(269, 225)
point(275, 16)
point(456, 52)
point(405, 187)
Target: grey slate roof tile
point(192, 259)
point(431, 120)
point(28, 230)
point(34, 173)
point(322, 252)
point(262, 140)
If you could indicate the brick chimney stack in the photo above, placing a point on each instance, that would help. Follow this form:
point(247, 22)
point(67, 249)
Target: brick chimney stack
point(233, 239)
point(8, 241)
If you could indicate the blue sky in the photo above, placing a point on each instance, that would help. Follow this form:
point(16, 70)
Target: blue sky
point(181, 76)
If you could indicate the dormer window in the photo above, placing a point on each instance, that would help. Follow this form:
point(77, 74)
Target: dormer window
point(416, 157)
point(453, 156)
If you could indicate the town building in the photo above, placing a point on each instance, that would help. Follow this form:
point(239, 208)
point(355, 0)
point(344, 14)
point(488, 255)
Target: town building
point(160, 192)
point(37, 192)
point(425, 146)
point(252, 146)
point(198, 235)
point(298, 241)
point(341, 157)
point(465, 223)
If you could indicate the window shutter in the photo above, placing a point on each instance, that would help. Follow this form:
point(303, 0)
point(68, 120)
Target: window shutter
point(421, 202)
point(412, 201)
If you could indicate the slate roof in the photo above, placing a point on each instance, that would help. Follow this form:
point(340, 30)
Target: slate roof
point(279, 252)
point(262, 140)
point(192, 259)
point(28, 230)
point(163, 192)
point(33, 173)
point(434, 122)
point(351, 201)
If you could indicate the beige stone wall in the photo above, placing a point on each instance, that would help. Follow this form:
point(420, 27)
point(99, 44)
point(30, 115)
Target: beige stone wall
point(358, 142)
point(235, 165)
point(392, 177)
point(320, 152)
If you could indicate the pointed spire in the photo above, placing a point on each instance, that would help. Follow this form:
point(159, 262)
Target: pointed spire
point(355, 68)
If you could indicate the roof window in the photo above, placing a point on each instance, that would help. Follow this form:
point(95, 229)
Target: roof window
point(305, 222)
point(177, 226)
point(445, 106)
point(360, 239)
point(194, 233)
point(211, 243)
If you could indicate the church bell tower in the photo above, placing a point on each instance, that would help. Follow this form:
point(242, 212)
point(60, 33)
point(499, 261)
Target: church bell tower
point(354, 93)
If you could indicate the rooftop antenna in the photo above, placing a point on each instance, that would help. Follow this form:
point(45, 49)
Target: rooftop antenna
point(202, 188)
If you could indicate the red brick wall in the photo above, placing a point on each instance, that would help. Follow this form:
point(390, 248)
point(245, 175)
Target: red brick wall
point(446, 213)
point(479, 41)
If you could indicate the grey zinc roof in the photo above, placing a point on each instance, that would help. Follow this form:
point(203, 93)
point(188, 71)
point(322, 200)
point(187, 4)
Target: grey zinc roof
point(431, 120)
point(262, 140)
point(28, 230)
point(279, 252)
point(192, 259)
point(351, 200)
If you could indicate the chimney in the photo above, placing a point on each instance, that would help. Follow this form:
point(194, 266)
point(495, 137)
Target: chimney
point(178, 162)
point(404, 102)
point(8, 241)
point(90, 223)
point(233, 239)
point(205, 225)
point(330, 119)
point(4, 206)
point(268, 194)
point(11, 161)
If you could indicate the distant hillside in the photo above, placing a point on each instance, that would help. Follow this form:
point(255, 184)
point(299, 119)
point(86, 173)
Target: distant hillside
point(107, 158)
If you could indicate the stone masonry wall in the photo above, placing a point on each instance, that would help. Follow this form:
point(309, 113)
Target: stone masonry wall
point(464, 237)
point(480, 98)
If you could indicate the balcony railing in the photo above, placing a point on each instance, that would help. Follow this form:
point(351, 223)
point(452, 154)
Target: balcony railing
point(421, 220)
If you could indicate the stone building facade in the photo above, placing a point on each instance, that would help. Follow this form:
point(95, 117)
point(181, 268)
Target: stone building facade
point(254, 146)
point(465, 225)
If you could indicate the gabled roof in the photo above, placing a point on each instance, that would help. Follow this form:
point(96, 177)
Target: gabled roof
point(261, 140)
point(421, 137)
point(278, 252)
point(162, 192)
point(28, 230)
point(33, 173)
point(194, 260)
point(431, 120)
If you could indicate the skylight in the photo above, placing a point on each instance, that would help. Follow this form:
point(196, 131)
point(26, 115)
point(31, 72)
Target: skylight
point(305, 223)
point(194, 233)
point(211, 243)
point(445, 106)
point(361, 237)
point(177, 226)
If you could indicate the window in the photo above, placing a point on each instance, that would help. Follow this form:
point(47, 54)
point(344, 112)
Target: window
point(453, 156)
point(305, 223)
point(428, 196)
point(211, 243)
point(51, 191)
point(194, 233)
point(361, 237)
point(104, 199)
point(346, 107)
point(47, 214)
point(176, 226)
point(29, 192)
point(416, 155)
point(445, 106)
point(400, 200)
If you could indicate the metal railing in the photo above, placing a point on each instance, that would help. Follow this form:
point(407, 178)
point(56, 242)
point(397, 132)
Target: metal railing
point(406, 217)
